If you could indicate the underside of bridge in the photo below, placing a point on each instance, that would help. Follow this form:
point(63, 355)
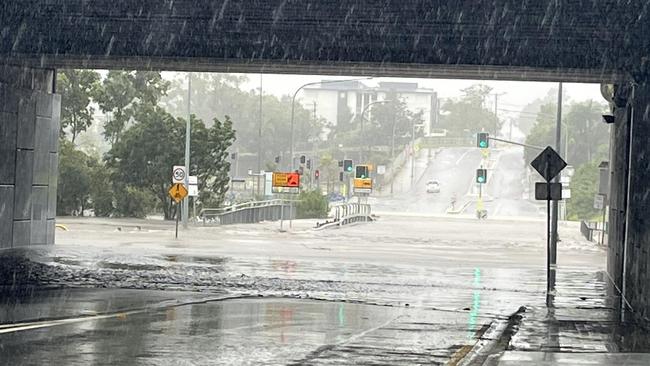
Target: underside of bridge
point(603, 41)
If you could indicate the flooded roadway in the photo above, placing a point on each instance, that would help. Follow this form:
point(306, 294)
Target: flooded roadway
point(402, 290)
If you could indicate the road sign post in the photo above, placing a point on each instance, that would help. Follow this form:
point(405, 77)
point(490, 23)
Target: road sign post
point(549, 164)
point(177, 192)
point(286, 183)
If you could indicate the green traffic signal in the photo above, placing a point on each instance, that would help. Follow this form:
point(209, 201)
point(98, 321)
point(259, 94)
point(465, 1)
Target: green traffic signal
point(483, 140)
point(481, 176)
point(347, 165)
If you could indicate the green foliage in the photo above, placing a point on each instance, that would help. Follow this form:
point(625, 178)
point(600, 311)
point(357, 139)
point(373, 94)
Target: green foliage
point(530, 113)
point(467, 115)
point(388, 120)
point(77, 88)
point(584, 186)
point(542, 133)
point(588, 136)
point(74, 180)
point(145, 154)
point(101, 190)
point(133, 202)
point(219, 95)
point(312, 205)
point(123, 93)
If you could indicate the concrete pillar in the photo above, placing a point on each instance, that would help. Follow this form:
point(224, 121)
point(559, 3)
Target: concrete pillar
point(29, 130)
point(620, 136)
point(637, 249)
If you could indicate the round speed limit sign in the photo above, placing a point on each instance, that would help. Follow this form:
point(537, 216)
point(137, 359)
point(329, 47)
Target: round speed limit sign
point(178, 175)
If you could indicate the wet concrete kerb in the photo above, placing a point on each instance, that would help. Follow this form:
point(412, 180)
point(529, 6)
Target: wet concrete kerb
point(492, 342)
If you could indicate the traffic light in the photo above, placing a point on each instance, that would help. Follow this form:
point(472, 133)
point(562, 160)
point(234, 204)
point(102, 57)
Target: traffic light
point(308, 163)
point(340, 163)
point(481, 176)
point(277, 159)
point(233, 156)
point(302, 159)
point(483, 140)
point(347, 166)
point(317, 174)
point(362, 172)
point(340, 176)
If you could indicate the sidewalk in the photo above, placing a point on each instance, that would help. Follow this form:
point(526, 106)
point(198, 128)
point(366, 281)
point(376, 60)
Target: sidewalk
point(581, 329)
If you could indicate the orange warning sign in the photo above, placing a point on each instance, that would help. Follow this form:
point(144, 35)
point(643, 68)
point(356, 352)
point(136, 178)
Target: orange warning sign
point(177, 192)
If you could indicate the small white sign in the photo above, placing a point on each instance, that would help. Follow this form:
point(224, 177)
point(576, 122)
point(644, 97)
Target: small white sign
point(599, 201)
point(268, 184)
point(566, 194)
point(193, 189)
point(381, 169)
point(178, 174)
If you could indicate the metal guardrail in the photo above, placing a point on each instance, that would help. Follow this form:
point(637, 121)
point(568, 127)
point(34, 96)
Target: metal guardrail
point(586, 230)
point(249, 212)
point(593, 231)
point(348, 213)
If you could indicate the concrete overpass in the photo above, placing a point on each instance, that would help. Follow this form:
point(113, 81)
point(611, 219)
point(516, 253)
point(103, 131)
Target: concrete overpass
point(605, 41)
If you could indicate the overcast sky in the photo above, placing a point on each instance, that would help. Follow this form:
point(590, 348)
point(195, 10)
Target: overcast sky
point(515, 94)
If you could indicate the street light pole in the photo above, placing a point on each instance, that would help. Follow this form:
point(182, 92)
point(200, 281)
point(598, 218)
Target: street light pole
point(259, 138)
point(188, 130)
point(293, 110)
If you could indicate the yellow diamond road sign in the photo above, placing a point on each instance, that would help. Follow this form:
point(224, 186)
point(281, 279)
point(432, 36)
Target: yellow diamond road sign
point(177, 192)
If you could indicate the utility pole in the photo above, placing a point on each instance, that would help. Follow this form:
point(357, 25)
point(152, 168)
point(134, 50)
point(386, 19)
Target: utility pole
point(392, 152)
point(259, 139)
point(554, 208)
point(188, 131)
point(412, 153)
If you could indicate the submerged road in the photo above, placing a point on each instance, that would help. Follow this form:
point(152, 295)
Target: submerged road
point(400, 291)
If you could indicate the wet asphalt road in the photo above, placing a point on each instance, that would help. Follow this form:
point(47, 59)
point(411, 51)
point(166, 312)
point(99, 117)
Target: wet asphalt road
point(403, 290)
point(453, 168)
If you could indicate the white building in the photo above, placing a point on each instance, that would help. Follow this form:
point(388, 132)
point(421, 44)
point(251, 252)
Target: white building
point(346, 100)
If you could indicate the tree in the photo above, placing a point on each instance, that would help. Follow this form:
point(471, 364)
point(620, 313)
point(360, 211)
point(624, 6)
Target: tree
point(543, 132)
point(123, 93)
point(386, 120)
point(220, 95)
point(588, 137)
point(77, 89)
point(528, 116)
point(143, 158)
point(74, 180)
point(583, 189)
point(329, 170)
point(467, 115)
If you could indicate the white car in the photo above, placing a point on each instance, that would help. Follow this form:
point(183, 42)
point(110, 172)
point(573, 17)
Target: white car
point(433, 187)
